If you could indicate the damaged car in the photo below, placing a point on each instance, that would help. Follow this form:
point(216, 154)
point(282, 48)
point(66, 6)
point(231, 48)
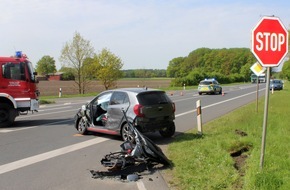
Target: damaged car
point(149, 110)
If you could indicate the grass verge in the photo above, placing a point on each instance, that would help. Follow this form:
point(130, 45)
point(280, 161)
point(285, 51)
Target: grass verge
point(51, 99)
point(227, 156)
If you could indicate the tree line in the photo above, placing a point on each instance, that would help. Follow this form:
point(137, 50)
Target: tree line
point(144, 73)
point(225, 65)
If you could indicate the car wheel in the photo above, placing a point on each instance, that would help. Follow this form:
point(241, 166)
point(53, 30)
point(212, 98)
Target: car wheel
point(199, 93)
point(127, 134)
point(7, 115)
point(82, 126)
point(168, 131)
point(220, 92)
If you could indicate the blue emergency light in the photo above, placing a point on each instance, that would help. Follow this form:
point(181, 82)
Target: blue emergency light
point(18, 54)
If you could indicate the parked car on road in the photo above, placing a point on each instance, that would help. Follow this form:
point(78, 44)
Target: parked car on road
point(209, 86)
point(149, 110)
point(276, 84)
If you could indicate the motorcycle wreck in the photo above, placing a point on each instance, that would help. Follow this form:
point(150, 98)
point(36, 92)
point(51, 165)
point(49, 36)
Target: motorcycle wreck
point(133, 158)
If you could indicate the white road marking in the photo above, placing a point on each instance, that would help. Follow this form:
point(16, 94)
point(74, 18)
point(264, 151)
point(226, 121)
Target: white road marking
point(141, 186)
point(55, 108)
point(15, 129)
point(21, 128)
point(47, 155)
point(38, 114)
point(204, 107)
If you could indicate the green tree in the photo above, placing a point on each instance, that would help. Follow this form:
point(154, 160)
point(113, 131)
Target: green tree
point(74, 54)
point(174, 66)
point(107, 67)
point(286, 69)
point(68, 73)
point(46, 65)
point(246, 71)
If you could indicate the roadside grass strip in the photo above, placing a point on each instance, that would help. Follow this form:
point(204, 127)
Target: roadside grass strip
point(227, 156)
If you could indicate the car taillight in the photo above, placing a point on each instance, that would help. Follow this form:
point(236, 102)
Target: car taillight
point(138, 110)
point(173, 106)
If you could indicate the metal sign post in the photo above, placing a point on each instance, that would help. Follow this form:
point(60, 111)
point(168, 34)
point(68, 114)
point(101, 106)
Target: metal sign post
point(265, 119)
point(257, 95)
point(258, 69)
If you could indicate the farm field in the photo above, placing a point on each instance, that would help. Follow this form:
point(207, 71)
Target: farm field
point(51, 88)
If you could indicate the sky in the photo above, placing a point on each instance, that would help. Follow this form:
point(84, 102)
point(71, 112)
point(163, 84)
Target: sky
point(145, 34)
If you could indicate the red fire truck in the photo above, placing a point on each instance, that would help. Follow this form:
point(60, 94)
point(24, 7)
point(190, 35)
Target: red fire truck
point(18, 88)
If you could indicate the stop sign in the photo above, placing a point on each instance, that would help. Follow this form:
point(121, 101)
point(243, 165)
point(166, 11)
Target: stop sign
point(270, 41)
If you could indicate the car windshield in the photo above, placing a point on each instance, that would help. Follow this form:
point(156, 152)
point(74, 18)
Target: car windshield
point(152, 98)
point(275, 81)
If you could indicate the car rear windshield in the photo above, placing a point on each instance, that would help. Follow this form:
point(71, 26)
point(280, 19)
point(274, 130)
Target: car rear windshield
point(205, 82)
point(153, 98)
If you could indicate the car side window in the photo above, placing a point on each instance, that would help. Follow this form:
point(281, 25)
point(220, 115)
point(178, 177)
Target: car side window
point(119, 98)
point(102, 100)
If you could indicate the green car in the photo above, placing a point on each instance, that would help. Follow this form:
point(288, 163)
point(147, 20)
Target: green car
point(209, 86)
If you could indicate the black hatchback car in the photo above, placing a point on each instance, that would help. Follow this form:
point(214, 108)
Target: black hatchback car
point(149, 110)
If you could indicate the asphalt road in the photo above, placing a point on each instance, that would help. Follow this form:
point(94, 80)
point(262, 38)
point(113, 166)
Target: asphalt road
point(43, 150)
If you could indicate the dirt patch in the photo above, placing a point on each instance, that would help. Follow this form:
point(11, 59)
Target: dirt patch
point(240, 160)
point(241, 133)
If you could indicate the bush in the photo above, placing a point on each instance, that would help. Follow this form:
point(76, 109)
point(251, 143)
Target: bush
point(68, 76)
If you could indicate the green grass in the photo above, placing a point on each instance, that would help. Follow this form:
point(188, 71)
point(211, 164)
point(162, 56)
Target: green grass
point(206, 162)
point(51, 99)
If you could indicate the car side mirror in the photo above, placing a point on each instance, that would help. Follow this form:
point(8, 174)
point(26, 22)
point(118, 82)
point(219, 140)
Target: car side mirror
point(83, 107)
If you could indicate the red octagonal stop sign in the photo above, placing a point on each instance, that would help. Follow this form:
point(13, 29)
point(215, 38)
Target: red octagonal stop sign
point(270, 41)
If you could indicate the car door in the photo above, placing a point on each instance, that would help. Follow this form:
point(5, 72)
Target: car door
point(216, 86)
point(98, 106)
point(119, 101)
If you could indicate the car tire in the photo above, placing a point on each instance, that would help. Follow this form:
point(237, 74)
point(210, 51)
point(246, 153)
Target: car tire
point(199, 93)
point(7, 115)
point(127, 134)
point(82, 126)
point(220, 92)
point(168, 131)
